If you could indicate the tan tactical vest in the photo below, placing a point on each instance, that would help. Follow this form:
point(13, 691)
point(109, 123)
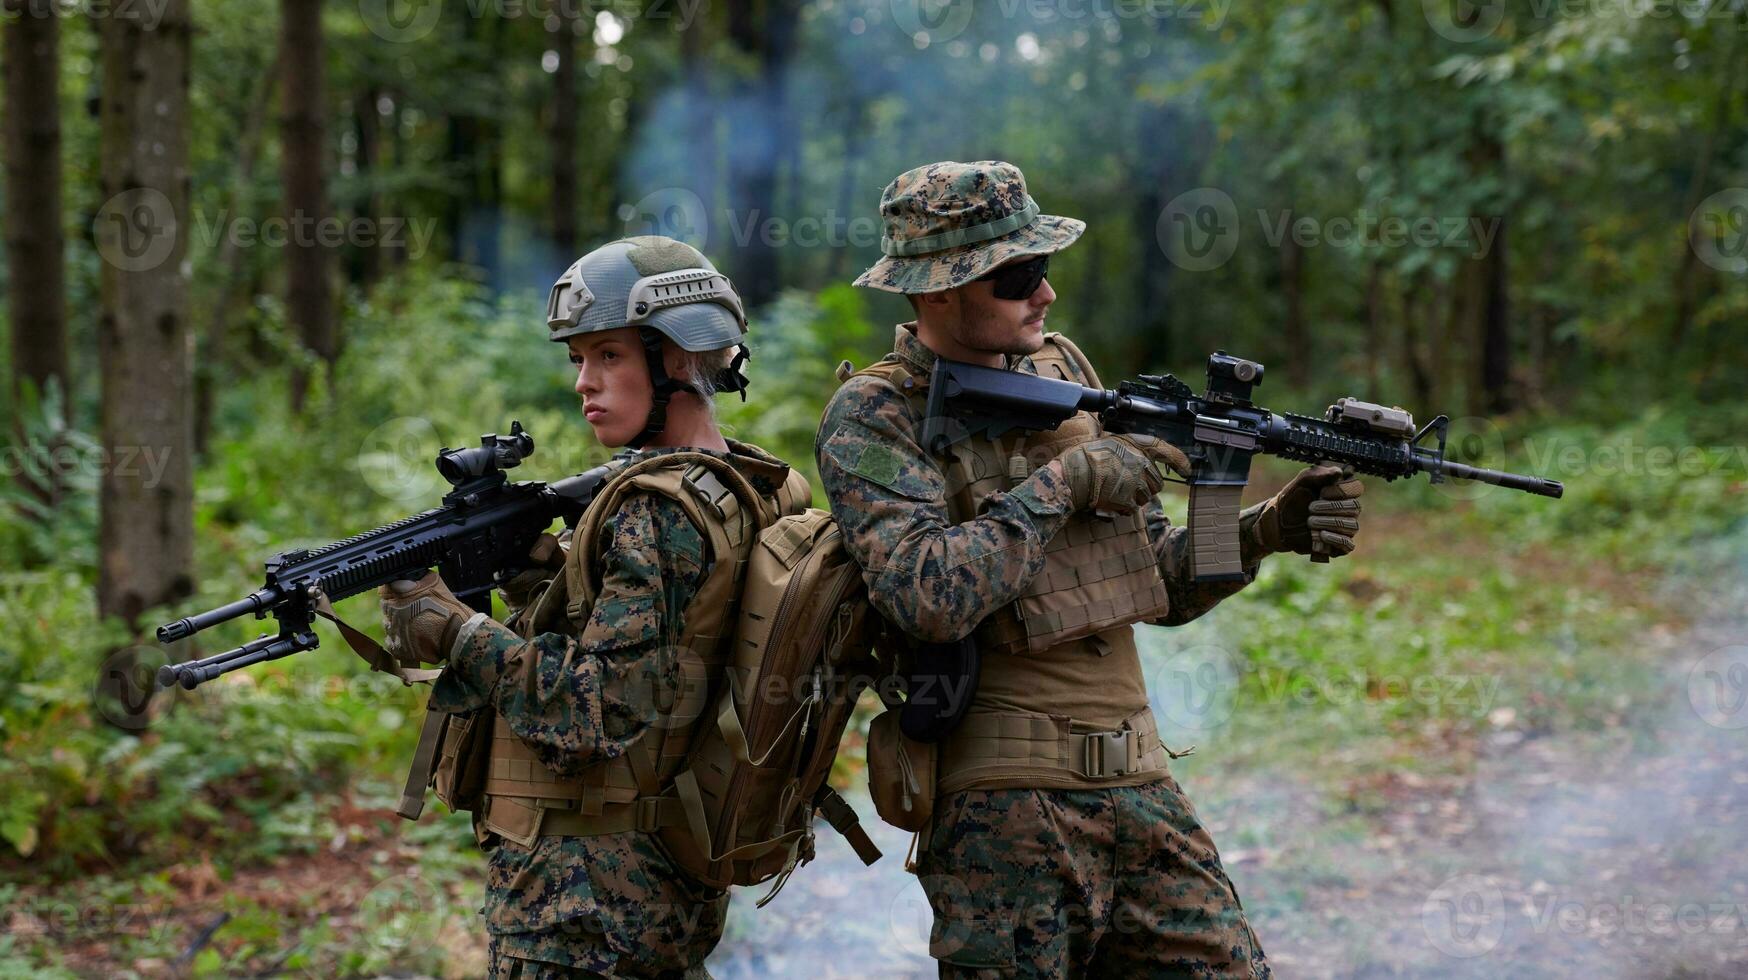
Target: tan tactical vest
point(1100, 576)
point(525, 799)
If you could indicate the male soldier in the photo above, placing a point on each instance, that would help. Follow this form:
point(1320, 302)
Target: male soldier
point(1059, 844)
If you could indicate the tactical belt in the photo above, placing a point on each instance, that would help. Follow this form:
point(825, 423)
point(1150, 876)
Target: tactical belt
point(648, 814)
point(526, 820)
point(1015, 748)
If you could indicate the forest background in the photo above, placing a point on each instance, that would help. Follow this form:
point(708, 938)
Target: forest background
point(265, 258)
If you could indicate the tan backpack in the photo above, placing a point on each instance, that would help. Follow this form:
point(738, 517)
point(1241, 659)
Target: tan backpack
point(763, 744)
point(757, 767)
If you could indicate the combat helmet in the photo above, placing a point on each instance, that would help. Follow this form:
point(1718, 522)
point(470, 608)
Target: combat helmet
point(664, 288)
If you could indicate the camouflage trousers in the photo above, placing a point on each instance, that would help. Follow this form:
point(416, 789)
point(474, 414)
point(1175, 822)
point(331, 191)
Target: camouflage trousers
point(1109, 883)
point(613, 905)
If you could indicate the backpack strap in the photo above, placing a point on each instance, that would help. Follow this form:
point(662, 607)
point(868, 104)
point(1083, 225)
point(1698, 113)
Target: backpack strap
point(524, 801)
point(583, 576)
point(655, 756)
point(1074, 354)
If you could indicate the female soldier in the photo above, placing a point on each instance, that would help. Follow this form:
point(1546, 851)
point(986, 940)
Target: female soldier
point(593, 691)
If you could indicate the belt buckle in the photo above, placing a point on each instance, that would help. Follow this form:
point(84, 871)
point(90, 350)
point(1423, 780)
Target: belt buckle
point(648, 813)
point(1107, 753)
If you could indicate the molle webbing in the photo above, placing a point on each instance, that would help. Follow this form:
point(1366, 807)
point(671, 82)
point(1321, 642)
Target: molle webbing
point(1098, 572)
point(525, 799)
point(1047, 751)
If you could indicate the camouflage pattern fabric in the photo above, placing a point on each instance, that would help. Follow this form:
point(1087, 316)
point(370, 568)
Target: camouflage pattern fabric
point(936, 579)
point(612, 903)
point(948, 223)
point(1143, 874)
point(1102, 883)
point(577, 700)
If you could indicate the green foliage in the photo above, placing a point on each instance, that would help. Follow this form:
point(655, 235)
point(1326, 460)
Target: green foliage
point(49, 453)
point(241, 764)
point(798, 342)
point(1470, 609)
point(1594, 133)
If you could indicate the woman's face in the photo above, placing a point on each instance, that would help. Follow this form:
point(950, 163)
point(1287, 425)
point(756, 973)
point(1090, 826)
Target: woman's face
point(613, 380)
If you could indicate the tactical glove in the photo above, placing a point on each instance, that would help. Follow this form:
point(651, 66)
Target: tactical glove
point(1116, 474)
point(546, 560)
point(421, 619)
point(1317, 511)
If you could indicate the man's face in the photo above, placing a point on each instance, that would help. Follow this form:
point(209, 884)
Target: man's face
point(999, 326)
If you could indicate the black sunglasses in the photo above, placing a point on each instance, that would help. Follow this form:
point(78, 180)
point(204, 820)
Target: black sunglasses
point(1018, 280)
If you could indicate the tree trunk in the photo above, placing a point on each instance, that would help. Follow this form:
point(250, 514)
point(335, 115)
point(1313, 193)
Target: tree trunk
point(214, 349)
point(146, 524)
point(397, 154)
point(1488, 305)
point(1459, 348)
point(1495, 311)
point(308, 303)
point(475, 148)
point(1294, 330)
point(35, 254)
point(564, 136)
point(1153, 278)
point(700, 133)
point(1160, 170)
point(459, 155)
point(762, 144)
point(1374, 314)
point(1686, 282)
point(1419, 310)
point(849, 181)
point(1541, 348)
point(367, 259)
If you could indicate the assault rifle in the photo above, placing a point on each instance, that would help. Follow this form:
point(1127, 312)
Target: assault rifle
point(479, 537)
point(1219, 431)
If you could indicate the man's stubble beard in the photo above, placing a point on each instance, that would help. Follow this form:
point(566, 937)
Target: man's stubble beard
point(981, 330)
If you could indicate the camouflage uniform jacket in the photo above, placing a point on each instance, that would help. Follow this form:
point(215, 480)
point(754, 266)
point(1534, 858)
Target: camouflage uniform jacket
point(935, 577)
point(580, 699)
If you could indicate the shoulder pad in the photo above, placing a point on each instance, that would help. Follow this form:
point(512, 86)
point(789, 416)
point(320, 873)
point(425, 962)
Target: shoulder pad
point(893, 372)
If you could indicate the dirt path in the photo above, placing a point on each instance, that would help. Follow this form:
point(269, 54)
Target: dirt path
point(1616, 853)
point(1619, 854)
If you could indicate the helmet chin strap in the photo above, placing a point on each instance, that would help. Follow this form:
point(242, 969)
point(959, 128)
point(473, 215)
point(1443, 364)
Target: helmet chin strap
point(664, 387)
point(732, 378)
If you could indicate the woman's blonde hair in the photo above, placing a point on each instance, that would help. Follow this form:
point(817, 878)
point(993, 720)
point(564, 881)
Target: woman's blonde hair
point(700, 370)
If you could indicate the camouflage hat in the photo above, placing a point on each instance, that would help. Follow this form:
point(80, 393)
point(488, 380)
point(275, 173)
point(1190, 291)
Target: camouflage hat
point(948, 223)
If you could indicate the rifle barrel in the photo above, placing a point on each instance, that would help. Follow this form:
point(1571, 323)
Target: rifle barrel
point(1499, 478)
point(257, 601)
